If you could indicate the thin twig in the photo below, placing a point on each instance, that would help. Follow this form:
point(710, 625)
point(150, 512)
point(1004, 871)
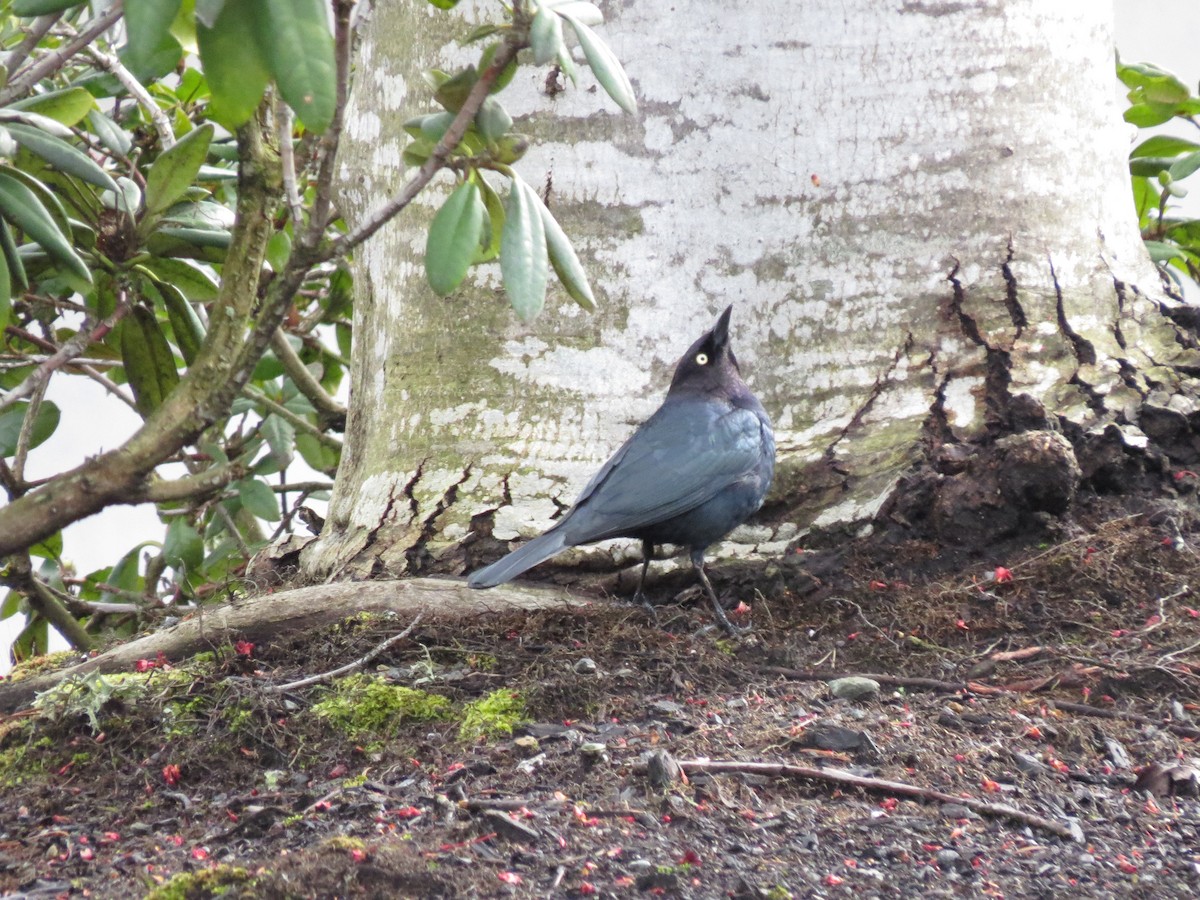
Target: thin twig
point(349, 667)
point(879, 786)
point(327, 408)
point(158, 118)
point(1097, 712)
point(297, 420)
point(25, 435)
point(79, 342)
point(47, 65)
point(287, 161)
point(343, 39)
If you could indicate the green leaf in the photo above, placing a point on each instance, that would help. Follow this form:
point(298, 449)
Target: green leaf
point(11, 605)
point(452, 93)
point(258, 499)
point(61, 155)
point(279, 248)
point(523, 257)
point(604, 63)
point(444, 4)
point(281, 438)
point(34, 639)
point(236, 69)
point(20, 206)
point(195, 283)
point(489, 244)
point(545, 35)
point(1163, 145)
point(1145, 115)
point(183, 548)
point(41, 7)
point(492, 120)
point(151, 50)
point(566, 263)
point(175, 170)
point(1185, 166)
point(1150, 166)
point(12, 418)
point(293, 37)
point(506, 75)
point(67, 107)
point(111, 135)
point(454, 235)
point(149, 363)
point(1162, 252)
point(185, 324)
point(587, 13)
point(6, 292)
point(480, 32)
point(50, 548)
point(12, 257)
point(1151, 83)
point(207, 11)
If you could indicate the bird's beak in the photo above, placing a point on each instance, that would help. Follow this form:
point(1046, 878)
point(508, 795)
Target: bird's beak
point(720, 332)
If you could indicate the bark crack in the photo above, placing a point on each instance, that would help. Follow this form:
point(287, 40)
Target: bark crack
point(998, 377)
point(1085, 353)
point(1015, 311)
point(416, 554)
point(881, 381)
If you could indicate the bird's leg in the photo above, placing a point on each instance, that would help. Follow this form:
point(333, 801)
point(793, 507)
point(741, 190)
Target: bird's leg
point(730, 628)
point(638, 596)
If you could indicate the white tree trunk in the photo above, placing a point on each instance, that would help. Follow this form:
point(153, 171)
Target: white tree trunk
point(919, 209)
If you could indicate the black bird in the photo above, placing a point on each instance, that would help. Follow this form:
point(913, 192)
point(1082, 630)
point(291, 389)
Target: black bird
point(690, 474)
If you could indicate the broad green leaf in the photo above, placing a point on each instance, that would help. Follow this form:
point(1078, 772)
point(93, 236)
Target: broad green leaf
point(444, 4)
point(492, 120)
point(320, 456)
point(149, 363)
point(151, 50)
point(545, 35)
point(50, 548)
point(34, 639)
point(281, 438)
point(236, 69)
point(1145, 115)
point(207, 11)
point(1184, 167)
point(1162, 252)
point(10, 425)
point(587, 13)
point(453, 238)
point(258, 499)
point(279, 248)
point(1163, 145)
point(510, 148)
point(523, 257)
point(41, 7)
point(61, 155)
point(22, 208)
point(183, 547)
point(111, 135)
point(566, 263)
point(126, 574)
point(1152, 83)
point(604, 64)
point(493, 230)
point(506, 75)
point(193, 281)
point(1150, 166)
point(67, 107)
point(6, 292)
point(12, 258)
point(452, 93)
point(175, 170)
point(11, 605)
point(185, 323)
point(202, 214)
point(294, 39)
point(480, 32)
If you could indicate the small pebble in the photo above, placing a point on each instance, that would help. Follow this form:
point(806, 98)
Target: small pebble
point(528, 744)
point(586, 666)
point(947, 859)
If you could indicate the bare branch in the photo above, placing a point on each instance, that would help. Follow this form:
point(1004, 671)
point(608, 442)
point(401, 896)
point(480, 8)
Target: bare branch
point(112, 65)
point(328, 409)
point(21, 83)
point(20, 577)
point(25, 435)
point(343, 37)
point(298, 421)
point(41, 25)
point(303, 487)
point(287, 159)
point(201, 484)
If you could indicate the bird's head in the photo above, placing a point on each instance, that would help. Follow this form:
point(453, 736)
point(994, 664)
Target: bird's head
point(709, 364)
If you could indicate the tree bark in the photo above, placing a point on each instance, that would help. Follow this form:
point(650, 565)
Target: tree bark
point(921, 211)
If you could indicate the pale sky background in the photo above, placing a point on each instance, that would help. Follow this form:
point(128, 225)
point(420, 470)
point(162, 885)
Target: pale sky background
point(1165, 32)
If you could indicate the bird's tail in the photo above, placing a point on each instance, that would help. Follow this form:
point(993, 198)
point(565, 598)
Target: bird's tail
point(526, 556)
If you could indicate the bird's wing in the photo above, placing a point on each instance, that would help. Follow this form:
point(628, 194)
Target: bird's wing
point(679, 458)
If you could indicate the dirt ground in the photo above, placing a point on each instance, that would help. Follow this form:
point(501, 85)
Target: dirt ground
point(1020, 694)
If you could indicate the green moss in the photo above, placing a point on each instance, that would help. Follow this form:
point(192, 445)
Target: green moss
point(203, 883)
point(345, 842)
point(366, 705)
point(495, 714)
point(40, 664)
point(88, 694)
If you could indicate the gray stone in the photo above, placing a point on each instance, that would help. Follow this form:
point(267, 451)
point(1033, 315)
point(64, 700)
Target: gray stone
point(854, 688)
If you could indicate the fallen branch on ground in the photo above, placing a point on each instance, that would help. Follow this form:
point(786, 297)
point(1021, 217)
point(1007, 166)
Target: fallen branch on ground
point(350, 666)
point(880, 786)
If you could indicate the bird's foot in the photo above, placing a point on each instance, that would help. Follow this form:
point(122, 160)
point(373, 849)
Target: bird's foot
point(734, 631)
point(641, 598)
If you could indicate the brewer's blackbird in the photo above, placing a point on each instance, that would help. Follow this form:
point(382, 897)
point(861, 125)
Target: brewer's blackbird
point(693, 471)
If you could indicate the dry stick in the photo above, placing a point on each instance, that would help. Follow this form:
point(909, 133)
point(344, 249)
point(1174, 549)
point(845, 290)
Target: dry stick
point(349, 667)
point(880, 786)
point(1084, 710)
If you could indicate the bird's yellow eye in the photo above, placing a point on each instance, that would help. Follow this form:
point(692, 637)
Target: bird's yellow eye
point(702, 359)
